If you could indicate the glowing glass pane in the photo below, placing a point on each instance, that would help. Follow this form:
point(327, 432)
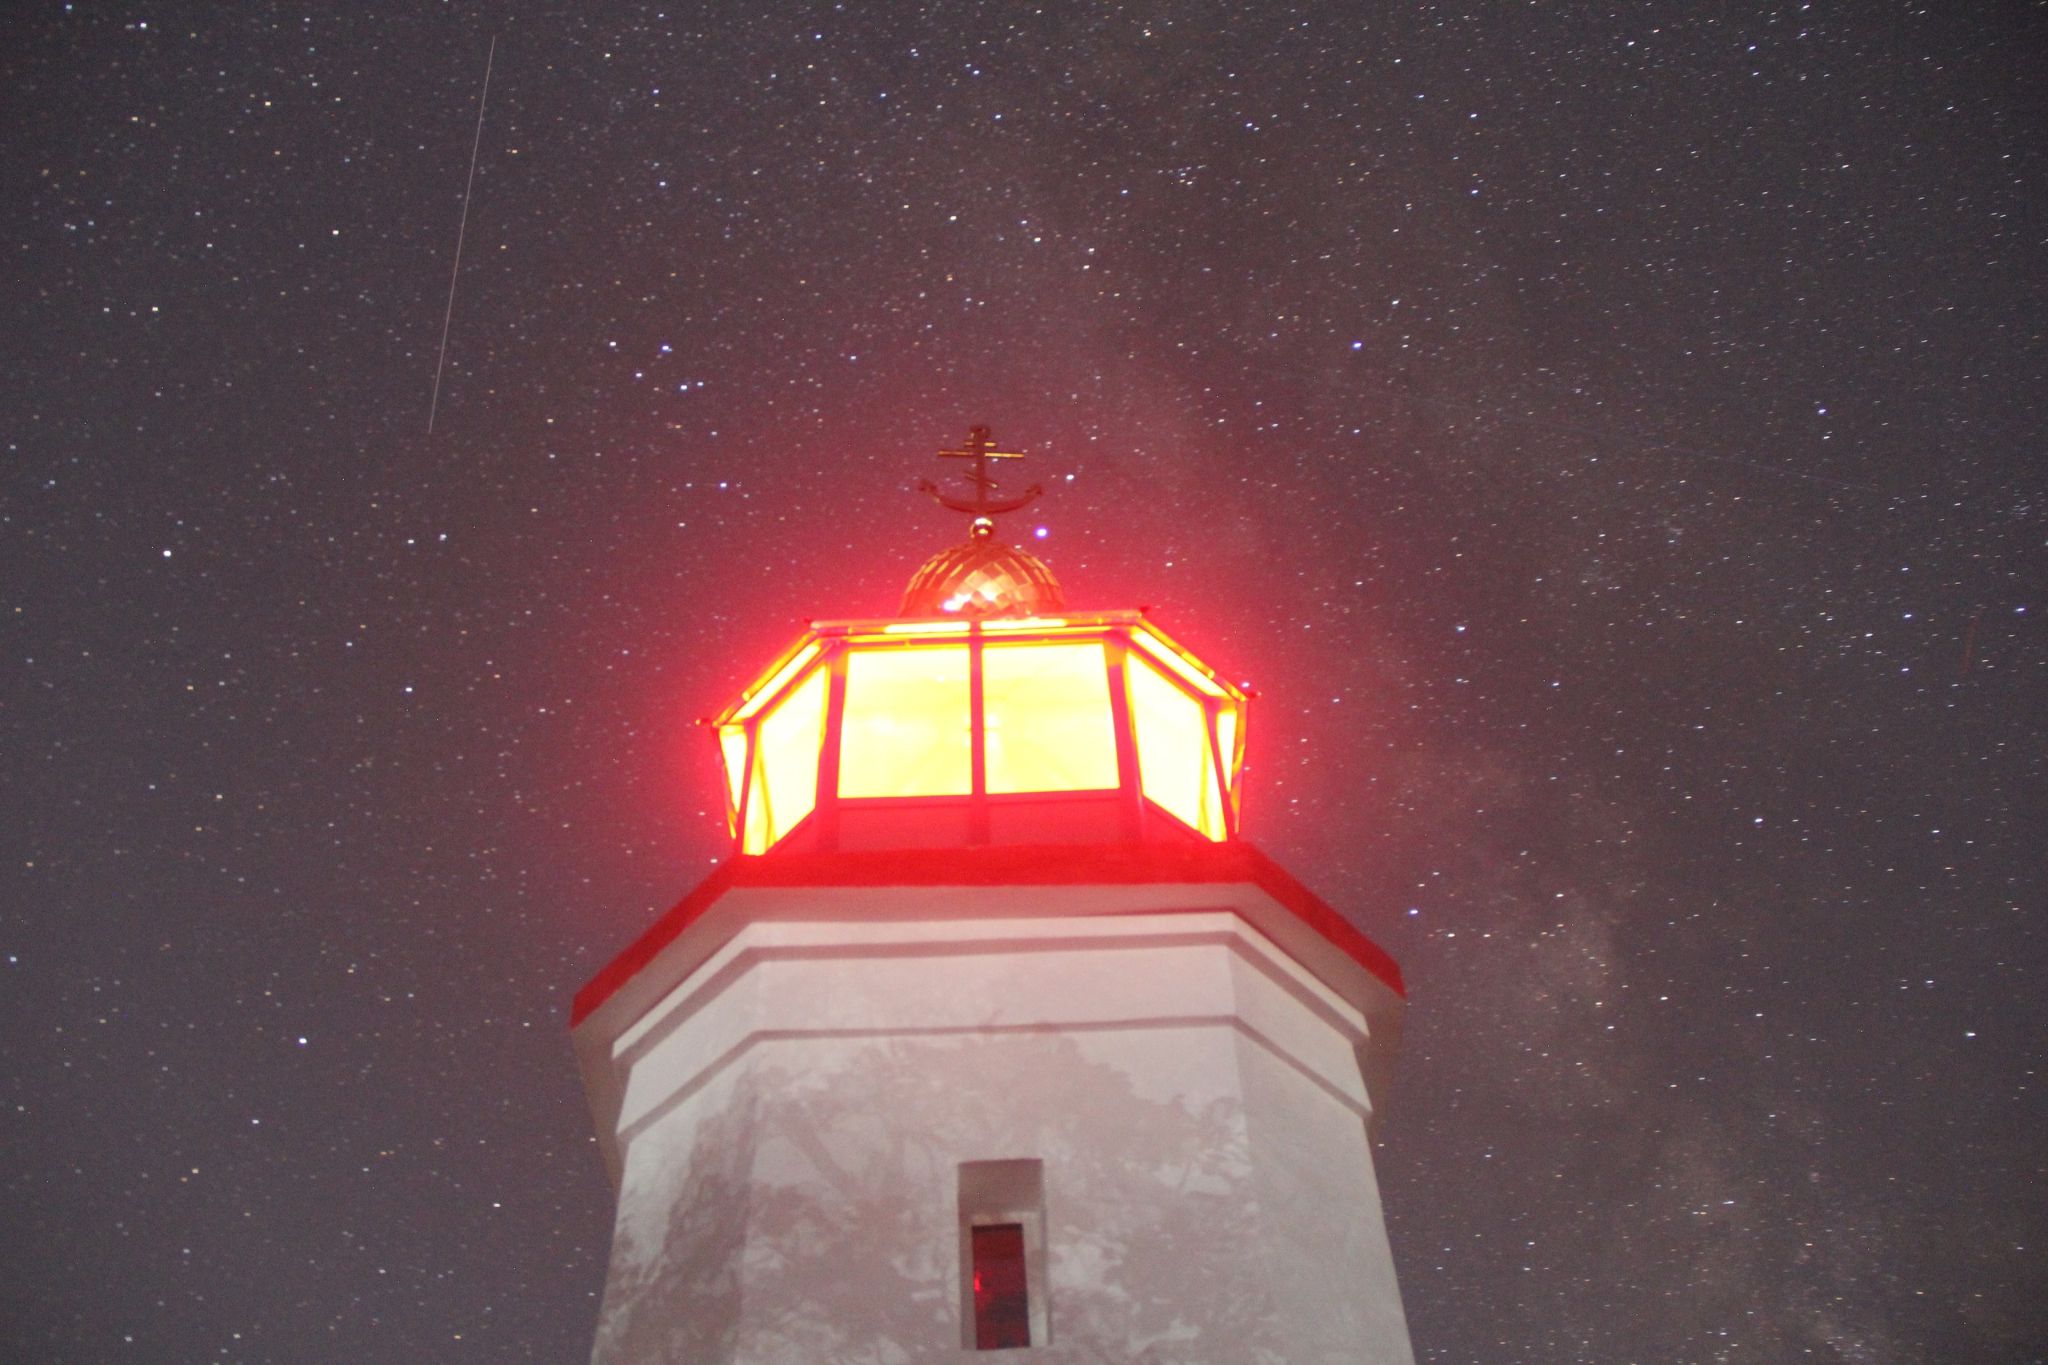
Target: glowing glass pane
point(1026, 623)
point(1173, 749)
point(1171, 657)
point(1045, 713)
point(732, 747)
point(765, 693)
point(906, 726)
point(1212, 822)
point(786, 753)
point(1227, 720)
point(926, 628)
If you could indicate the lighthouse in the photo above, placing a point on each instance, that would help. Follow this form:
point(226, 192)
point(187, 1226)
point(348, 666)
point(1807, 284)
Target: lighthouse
point(993, 1035)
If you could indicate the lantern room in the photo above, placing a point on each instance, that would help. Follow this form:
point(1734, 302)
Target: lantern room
point(940, 732)
point(995, 948)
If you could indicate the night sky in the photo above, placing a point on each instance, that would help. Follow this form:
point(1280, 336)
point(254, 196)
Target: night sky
point(1609, 439)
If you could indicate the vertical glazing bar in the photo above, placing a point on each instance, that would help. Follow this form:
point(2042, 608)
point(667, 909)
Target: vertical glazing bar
point(977, 726)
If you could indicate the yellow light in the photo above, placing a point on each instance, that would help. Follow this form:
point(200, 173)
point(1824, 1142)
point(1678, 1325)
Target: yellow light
point(1173, 658)
point(1226, 742)
point(786, 763)
point(732, 746)
point(1026, 623)
point(1046, 717)
point(765, 693)
point(906, 727)
point(926, 628)
point(1173, 750)
point(1212, 823)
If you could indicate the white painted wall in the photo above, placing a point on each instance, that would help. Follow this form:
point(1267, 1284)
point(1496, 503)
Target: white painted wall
point(791, 1114)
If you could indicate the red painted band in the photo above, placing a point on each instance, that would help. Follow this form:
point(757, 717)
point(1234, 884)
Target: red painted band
point(1008, 865)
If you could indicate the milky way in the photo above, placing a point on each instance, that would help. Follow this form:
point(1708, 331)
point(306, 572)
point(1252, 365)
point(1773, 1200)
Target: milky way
point(1609, 443)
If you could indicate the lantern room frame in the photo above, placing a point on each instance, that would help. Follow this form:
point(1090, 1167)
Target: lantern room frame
point(890, 734)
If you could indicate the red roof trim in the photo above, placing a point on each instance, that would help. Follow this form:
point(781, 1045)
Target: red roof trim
point(1016, 865)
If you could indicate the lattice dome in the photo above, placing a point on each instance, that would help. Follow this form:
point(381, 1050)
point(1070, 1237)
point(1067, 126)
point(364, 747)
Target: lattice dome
point(983, 577)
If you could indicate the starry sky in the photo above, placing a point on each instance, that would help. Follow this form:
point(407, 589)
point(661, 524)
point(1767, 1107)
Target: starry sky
point(1609, 439)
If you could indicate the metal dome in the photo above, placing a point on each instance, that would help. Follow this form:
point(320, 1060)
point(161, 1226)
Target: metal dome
point(982, 577)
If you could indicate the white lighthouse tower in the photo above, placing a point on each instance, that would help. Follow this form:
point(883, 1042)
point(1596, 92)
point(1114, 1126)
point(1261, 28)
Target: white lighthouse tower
point(993, 1034)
